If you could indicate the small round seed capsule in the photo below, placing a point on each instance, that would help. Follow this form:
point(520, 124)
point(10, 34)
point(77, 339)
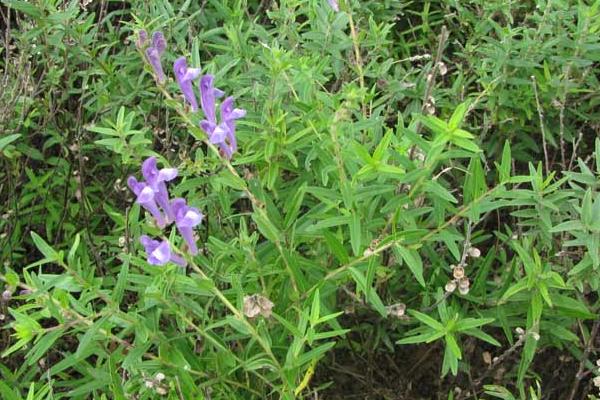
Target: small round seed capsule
point(450, 286)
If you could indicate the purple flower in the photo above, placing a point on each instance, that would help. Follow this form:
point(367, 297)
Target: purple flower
point(159, 42)
point(222, 134)
point(185, 76)
point(154, 53)
point(208, 94)
point(159, 253)
point(228, 116)
point(142, 39)
point(186, 218)
point(156, 179)
point(334, 5)
point(145, 198)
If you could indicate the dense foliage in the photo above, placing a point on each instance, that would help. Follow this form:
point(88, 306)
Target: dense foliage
point(413, 209)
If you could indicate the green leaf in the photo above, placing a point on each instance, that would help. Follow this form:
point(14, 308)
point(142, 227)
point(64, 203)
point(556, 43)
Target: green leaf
point(25, 7)
point(413, 260)
point(526, 357)
point(73, 250)
point(514, 289)
point(315, 309)
point(506, 164)
point(474, 186)
point(479, 334)
point(313, 354)
point(231, 180)
point(586, 208)
point(458, 115)
point(567, 226)
point(336, 247)
point(383, 146)
point(42, 345)
point(86, 339)
point(466, 144)
point(453, 345)
point(435, 188)
point(598, 155)
point(427, 320)
point(355, 233)
point(7, 392)
point(266, 227)
point(422, 338)
point(5, 141)
point(450, 362)
point(435, 124)
point(468, 323)
point(44, 247)
point(293, 206)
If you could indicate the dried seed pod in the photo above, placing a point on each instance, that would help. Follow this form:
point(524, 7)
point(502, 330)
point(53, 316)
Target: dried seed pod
point(463, 285)
point(396, 310)
point(450, 286)
point(442, 68)
point(487, 357)
point(257, 304)
point(474, 252)
point(519, 331)
point(458, 272)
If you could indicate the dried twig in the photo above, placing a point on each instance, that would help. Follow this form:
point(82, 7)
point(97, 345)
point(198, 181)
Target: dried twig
point(588, 348)
point(541, 116)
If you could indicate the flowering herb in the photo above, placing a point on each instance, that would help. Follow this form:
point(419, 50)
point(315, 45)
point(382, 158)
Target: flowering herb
point(222, 134)
point(159, 253)
point(156, 179)
point(145, 198)
point(186, 218)
point(142, 39)
point(334, 4)
point(208, 94)
point(154, 193)
point(155, 52)
point(228, 115)
point(185, 76)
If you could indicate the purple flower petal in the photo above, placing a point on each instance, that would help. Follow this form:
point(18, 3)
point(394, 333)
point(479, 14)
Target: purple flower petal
point(207, 126)
point(185, 76)
point(159, 253)
point(219, 134)
point(146, 197)
point(156, 179)
point(154, 53)
point(159, 42)
point(142, 39)
point(334, 4)
point(226, 150)
point(186, 218)
point(208, 94)
point(229, 114)
point(135, 186)
point(167, 174)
